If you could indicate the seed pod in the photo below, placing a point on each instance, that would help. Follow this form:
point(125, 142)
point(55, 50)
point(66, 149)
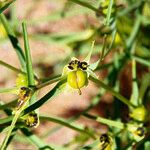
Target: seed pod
point(140, 114)
point(77, 79)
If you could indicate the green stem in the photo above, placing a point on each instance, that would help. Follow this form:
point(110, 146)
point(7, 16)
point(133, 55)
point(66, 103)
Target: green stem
point(128, 126)
point(108, 122)
point(6, 120)
point(127, 10)
point(13, 40)
point(109, 13)
point(103, 48)
point(111, 44)
point(52, 93)
point(144, 85)
point(29, 135)
point(68, 124)
point(29, 68)
point(17, 114)
point(134, 32)
point(11, 67)
point(35, 140)
point(88, 57)
point(135, 91)
point(6, 5)
point(85, 4)
point(114, 93)
point(8, 105)
point(141, 60)
point(49, 82)
point(9, 90)
point(94, 102)
point(107, 23)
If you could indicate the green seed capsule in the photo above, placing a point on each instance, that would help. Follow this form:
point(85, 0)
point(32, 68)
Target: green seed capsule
point(139, 114)
point(77, 79)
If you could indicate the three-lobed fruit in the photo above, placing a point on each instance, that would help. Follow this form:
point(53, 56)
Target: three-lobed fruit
point(77, 79)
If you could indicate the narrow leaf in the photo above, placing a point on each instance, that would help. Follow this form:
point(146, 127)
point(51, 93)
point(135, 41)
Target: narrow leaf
point(87, 59)
point(5, 4)
point(14, 41)
point(29, 68)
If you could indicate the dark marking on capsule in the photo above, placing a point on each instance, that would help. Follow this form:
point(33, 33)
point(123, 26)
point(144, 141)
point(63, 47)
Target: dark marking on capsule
point(104, 138)
point(83, 65)
point(74, 64)
point(140, 131)
point(70, 67)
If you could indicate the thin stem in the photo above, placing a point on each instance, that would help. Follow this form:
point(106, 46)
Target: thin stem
point(108, 122)
point(14, 40)
point(55, 91)
point(29, 135)
point(9, 90)
point(107, 23)
point(49, 82)
point(135, 5)
point(35, 139)
point(134, 32)
point(141, 60)
point(17, 114)
point(88, 57)
point(85, 4)
point(29, 68)
point(114, 93)
point(67, 124)
point(109, 13)
point(144, 85)
point(7, 105)
point(6, 5)
point(11, 67)
point(128, 126)
point(6, 120)
point(135, 91)
point(112, 41)
point(94, 102)
point(103, 48)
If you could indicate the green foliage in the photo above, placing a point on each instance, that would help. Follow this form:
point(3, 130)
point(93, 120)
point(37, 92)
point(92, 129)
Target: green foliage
point(119, 40)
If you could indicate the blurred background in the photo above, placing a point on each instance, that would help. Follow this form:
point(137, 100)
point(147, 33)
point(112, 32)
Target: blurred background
point(59, 30)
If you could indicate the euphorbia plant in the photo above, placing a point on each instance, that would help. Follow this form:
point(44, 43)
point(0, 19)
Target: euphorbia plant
point(76, 74)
